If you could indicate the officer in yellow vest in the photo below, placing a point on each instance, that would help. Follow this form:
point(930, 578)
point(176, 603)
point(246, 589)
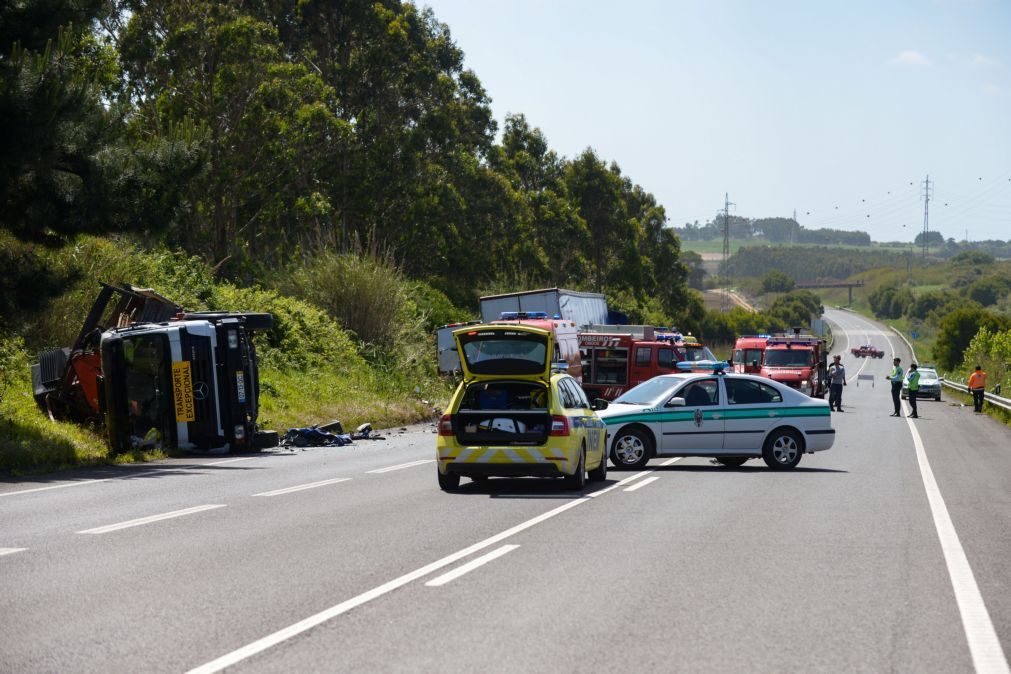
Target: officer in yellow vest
point(896, 378)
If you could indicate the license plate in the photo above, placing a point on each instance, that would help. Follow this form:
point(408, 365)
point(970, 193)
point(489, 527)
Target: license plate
point(240, 386)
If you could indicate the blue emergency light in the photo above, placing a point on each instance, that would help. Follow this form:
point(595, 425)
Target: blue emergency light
point(716, 366)
point(522, 315)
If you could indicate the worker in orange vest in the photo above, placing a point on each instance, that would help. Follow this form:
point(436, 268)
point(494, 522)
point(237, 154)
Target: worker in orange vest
point(977, 386)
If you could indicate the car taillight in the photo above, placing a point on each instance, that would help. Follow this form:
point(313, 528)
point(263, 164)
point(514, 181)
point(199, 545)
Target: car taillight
point(559, 426)
point(446, 424)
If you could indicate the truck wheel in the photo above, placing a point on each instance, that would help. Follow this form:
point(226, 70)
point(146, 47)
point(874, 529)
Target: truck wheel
point(265, 439)
point(631, 449)
point(782, 450)
point(449, 481)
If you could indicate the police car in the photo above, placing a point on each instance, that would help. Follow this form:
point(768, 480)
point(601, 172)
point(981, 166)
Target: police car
point(731, 417)
point(517, 413)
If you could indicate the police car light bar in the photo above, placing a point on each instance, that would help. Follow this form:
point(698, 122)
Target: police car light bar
point(717, 366)
point(522, 315)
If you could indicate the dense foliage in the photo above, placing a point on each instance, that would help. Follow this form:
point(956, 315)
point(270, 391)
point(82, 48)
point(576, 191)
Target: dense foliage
point(771, 230)
point(811, 263)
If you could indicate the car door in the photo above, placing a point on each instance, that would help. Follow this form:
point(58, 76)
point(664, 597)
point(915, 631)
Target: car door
point(586, 421)
point(698, 425)
point(752, 406)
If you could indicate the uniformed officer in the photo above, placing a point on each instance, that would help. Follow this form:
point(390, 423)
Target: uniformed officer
point(896, 378)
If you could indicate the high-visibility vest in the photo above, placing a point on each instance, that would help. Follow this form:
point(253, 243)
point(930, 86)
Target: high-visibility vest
point(914, 381)
point(977, 380)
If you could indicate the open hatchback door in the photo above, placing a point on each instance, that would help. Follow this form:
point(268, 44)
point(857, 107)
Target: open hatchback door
point(517, 352)
point(505, 397)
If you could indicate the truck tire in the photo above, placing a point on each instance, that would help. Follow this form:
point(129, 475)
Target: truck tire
point(265, 439)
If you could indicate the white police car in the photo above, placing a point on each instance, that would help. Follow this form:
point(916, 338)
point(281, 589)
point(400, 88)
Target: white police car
point(731, 417)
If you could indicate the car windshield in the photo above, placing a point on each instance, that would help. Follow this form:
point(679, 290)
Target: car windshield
point(649, 392)
point(788, 357)
point(696, 352)
point(149, 401)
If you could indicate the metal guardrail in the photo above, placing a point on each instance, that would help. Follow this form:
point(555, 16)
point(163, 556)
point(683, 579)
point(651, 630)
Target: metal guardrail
point(991, 398)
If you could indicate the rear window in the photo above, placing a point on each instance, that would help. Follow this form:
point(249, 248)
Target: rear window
point(504, 352)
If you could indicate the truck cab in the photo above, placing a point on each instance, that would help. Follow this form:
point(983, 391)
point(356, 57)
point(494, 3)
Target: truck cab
point(154, 375)
point(749, 354)
point(797, 360)
point(613, 362)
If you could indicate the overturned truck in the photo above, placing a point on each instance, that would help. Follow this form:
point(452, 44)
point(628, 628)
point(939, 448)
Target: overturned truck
point(154, 375)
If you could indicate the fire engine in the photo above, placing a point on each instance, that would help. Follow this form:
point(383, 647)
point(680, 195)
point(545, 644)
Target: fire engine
point(749, 351)
point(618, 357)
point(799, 361)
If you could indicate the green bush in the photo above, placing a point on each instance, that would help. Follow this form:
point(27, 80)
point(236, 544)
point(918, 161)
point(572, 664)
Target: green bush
point(29, 441)
point(957, 330)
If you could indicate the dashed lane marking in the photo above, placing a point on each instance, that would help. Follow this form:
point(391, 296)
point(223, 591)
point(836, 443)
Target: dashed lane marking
point(640, 485)
point(148, 520)
point(282, 635)
point(10, 551)
point(399, 466)
point(302, 487)
point(470, 566)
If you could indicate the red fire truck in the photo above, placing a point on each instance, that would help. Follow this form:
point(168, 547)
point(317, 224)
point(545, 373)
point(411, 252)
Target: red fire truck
point(614, 362)
point(799, 361)
point(749, 351)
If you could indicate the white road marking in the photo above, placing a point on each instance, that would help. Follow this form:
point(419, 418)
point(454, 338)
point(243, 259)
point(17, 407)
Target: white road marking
point(148, 520)
point(218, 463)
point(312, 621)
point(300, 487)
point(642, 484)
point(399, 466)
point(619, 484)
point(10, 551)
point(470, 566)
point(671, 462)
point(984, 646)
point(55, 486)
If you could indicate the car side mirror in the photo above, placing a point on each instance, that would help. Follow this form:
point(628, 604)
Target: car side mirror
point(600, 404)
point(676, 402)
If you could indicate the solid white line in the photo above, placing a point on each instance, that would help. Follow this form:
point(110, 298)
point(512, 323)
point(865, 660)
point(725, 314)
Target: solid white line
point(671, 462)
point(55, 486)
point(218, 463)
point(410, 464)
point(300, 487)
point(620, 484)
point(642, 484)
point(312, 621)
point(984, 646)
point(148, 520)
point(470, 566)
point(10, 551)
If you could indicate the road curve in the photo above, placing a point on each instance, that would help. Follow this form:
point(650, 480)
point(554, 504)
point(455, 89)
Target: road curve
point(351, 559)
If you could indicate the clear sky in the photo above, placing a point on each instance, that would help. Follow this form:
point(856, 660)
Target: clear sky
point(836, 109)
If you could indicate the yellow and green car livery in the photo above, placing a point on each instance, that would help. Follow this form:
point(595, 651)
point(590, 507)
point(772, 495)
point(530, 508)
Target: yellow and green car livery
point(515, 415)
point(730, 417)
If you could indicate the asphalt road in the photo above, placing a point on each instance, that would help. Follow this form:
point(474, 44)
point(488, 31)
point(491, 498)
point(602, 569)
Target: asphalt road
point(351, 559)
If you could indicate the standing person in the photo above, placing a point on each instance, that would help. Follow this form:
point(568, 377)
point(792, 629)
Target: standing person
point(914, 388)
point(837, 379)
point(977, 386)
point(896, 378)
